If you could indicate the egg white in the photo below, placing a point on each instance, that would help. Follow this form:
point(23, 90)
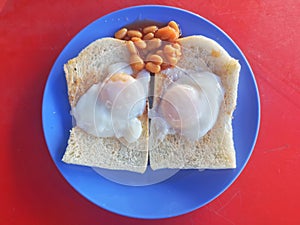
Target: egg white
point(197, 97)
point(110, 109)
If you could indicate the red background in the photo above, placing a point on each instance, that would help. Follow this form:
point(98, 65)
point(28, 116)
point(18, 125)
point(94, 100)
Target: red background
point(33, 33)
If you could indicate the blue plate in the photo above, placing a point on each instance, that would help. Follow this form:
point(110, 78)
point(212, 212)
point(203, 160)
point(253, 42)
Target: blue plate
point(188, 189)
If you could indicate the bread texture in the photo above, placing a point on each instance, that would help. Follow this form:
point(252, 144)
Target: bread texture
point(215, 150)
point(88, 68)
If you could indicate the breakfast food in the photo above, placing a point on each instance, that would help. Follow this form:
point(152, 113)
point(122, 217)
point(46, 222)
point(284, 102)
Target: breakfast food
point(109, 108)
point(152, 47)
point(194, 96)
point(193, 106)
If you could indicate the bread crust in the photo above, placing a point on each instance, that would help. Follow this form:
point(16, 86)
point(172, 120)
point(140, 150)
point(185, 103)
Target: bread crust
point(215, 150)
point(88, 68)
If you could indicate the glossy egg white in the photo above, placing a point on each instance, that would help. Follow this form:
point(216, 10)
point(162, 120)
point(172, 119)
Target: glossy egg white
point(191, 104)
point(111, 108)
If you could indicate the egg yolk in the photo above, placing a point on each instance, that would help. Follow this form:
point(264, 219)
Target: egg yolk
point(111, 89)
point(123, 77)
point(178, 106)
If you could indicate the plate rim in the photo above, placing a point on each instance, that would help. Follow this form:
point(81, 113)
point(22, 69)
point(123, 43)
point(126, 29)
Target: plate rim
point(73, 39)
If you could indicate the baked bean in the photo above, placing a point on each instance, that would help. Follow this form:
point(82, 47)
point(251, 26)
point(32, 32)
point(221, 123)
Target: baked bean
point(152, 67)
point(134, 39)
point(178, 52)
point(120, 34)
point(153, 44)
point(134, 33)
point(174, 36)
point(147, 47)
point(172, 60)
point(131, 47)
point(156, 59)
point(141, 44)
point(177, 49)
point(174, 25)
point(136, 63)
point(176, 46)
point(150, 29)
point(119, 77)
point(167, 34)
point(148, 36)
point(160, 53)
point(169, 50)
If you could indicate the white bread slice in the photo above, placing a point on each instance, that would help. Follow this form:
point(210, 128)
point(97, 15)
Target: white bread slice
point(216, 149)
point(88, 68)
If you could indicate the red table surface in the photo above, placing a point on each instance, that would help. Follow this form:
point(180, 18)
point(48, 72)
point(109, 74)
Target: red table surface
point(33, 33)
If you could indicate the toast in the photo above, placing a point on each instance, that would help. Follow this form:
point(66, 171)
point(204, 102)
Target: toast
point(88, 68)
point(215, 150)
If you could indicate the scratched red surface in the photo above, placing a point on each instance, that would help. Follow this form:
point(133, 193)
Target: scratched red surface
point(32, 34)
